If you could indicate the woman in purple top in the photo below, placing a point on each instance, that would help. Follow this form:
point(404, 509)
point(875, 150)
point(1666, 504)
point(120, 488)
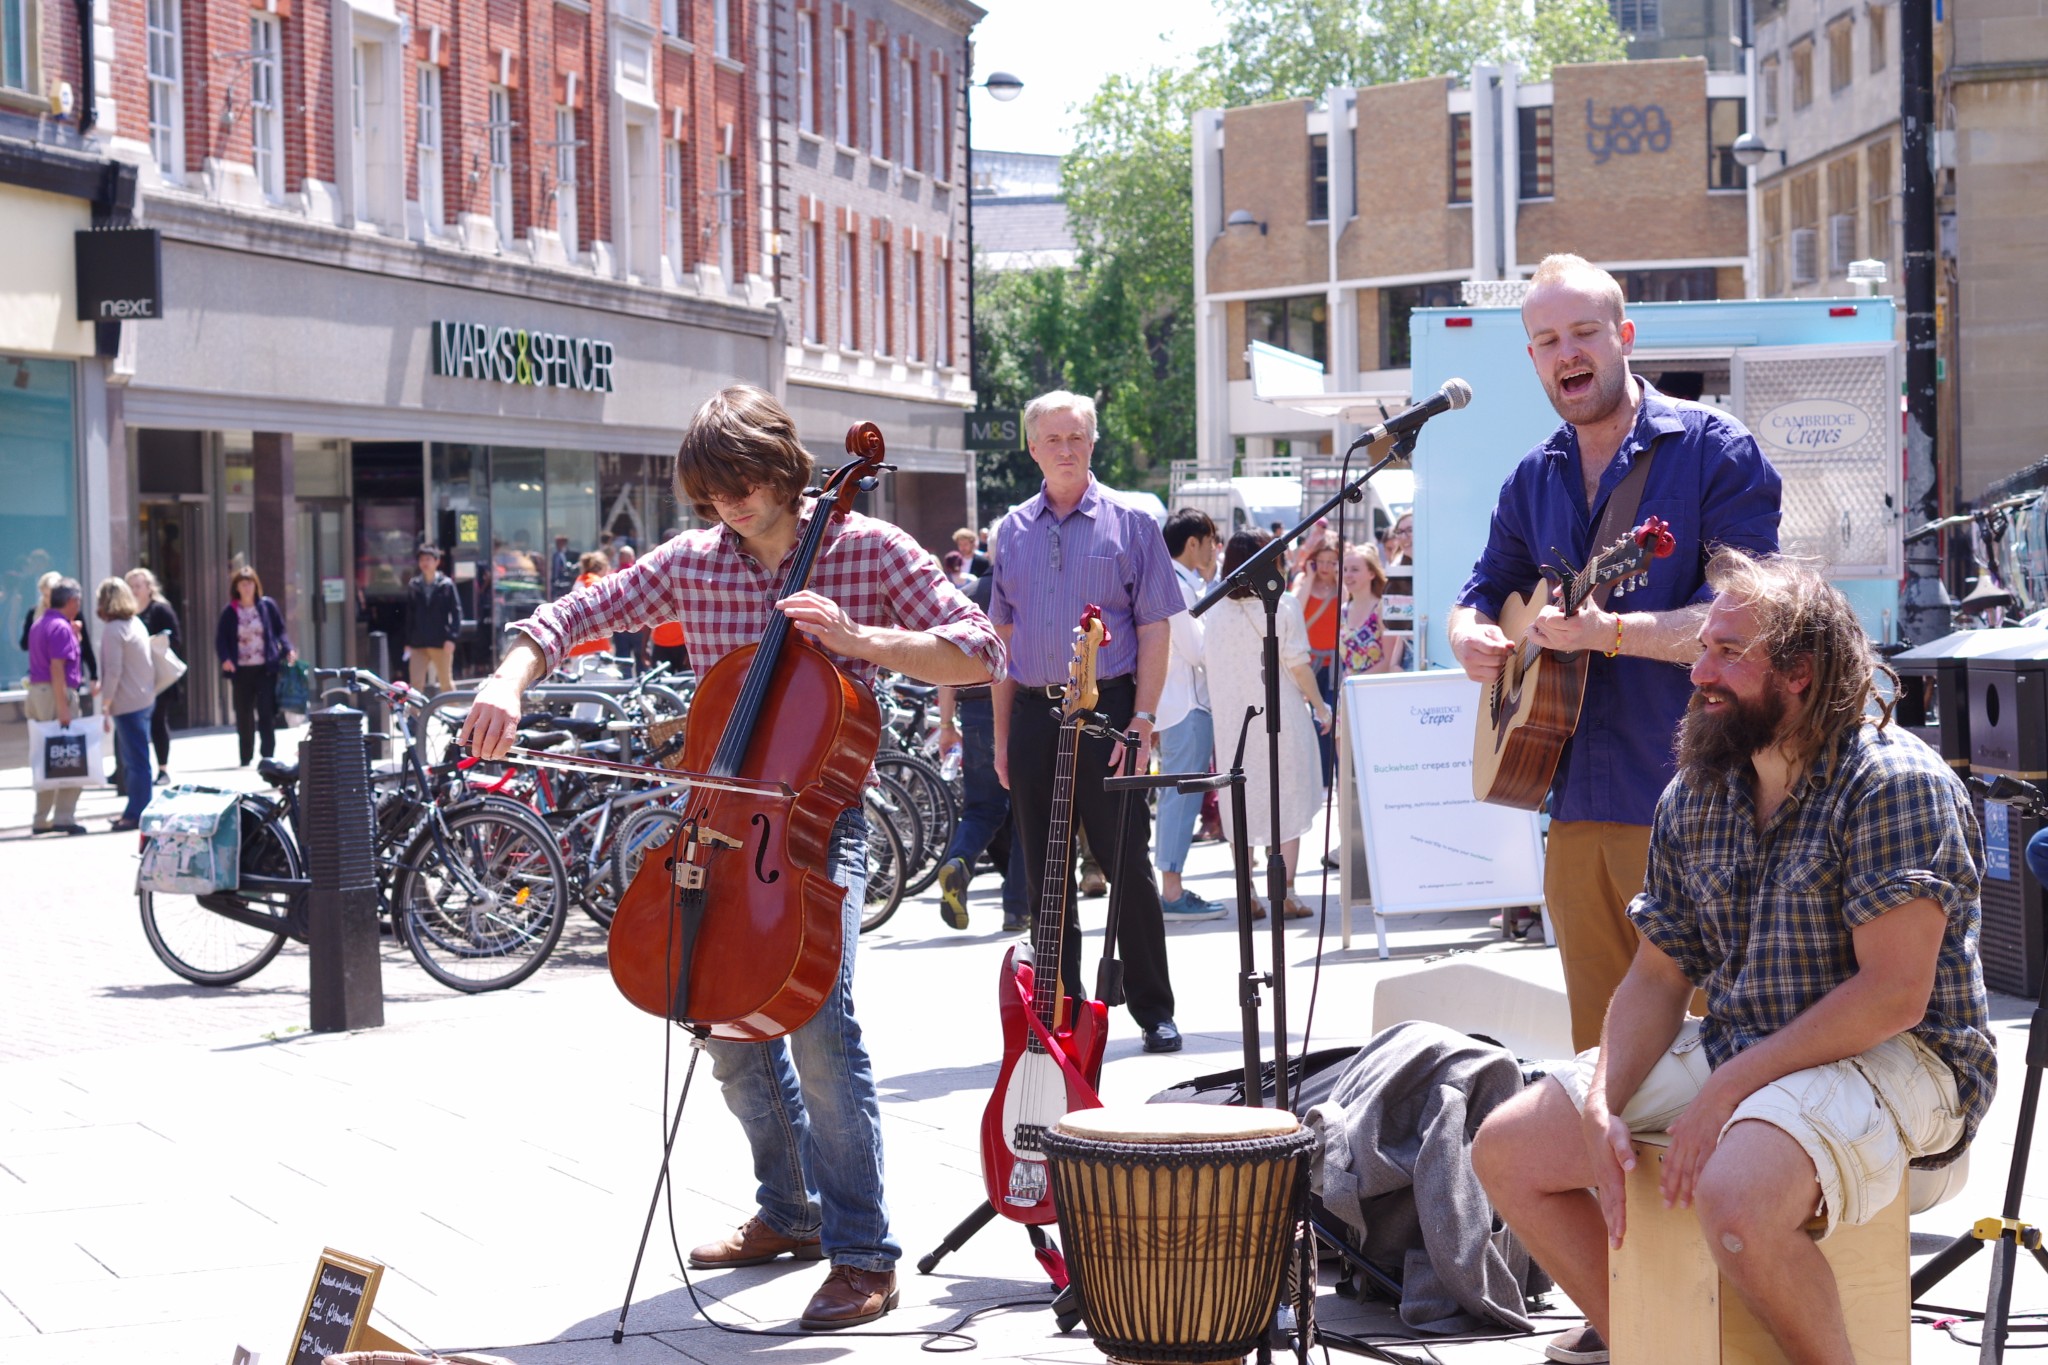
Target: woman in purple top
point(250, 642)
point(54, 677)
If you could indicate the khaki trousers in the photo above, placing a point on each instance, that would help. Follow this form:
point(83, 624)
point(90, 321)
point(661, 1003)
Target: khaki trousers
point(441, 658)
point(58, 807)
point(1592, 870)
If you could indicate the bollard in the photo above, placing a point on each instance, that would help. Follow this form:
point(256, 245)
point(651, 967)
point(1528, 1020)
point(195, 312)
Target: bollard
point(338, 831)
point(380, 709)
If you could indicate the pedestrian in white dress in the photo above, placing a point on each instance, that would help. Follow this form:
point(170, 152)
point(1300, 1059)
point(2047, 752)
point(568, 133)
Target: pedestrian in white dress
point(1234, 643)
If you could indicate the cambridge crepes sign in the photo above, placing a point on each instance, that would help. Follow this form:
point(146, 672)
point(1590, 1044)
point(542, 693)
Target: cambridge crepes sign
point(513, 355)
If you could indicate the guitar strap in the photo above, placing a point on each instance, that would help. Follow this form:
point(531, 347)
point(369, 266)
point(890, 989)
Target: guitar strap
point(1619, 514)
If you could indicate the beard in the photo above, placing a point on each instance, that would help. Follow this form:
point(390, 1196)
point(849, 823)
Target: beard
point(1713, 746)
point(1596, 401)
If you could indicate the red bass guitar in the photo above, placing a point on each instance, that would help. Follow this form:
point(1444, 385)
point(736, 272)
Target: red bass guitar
point(1052, 1063)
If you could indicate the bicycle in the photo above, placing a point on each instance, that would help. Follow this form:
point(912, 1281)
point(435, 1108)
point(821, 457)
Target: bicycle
point(476, 890)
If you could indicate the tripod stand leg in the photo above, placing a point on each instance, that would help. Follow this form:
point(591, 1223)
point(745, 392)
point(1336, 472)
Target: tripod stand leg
point(958, 1237)
point(654, 1200)
point(1943, 1263)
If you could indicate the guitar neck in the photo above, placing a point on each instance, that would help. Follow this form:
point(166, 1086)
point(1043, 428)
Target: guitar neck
point(1050, 925)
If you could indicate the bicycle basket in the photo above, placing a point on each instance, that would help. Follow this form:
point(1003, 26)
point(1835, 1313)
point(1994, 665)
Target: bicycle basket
point(192, 842)
point(659, 733)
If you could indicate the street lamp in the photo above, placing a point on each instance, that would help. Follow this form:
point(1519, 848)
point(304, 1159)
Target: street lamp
point(1003, 87)
point(1749, 151)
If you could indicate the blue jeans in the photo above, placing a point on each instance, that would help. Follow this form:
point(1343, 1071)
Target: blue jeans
point(985, 801)
point(131, 734)
point(1189, 747)
point(807, 1103)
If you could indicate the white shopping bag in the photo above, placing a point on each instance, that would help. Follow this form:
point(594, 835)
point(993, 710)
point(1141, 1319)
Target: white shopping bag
point(65, 755)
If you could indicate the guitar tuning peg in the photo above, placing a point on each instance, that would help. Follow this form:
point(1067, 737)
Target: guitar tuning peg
point(1620, 590)
point(1643, 579)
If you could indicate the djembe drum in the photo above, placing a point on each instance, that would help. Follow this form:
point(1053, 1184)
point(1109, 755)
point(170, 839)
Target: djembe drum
point(1177, 1219)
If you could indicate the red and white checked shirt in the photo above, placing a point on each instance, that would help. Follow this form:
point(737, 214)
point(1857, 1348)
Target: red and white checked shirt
point(722, 596)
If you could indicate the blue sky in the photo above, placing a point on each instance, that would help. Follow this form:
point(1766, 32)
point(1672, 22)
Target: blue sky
point(1062, 50)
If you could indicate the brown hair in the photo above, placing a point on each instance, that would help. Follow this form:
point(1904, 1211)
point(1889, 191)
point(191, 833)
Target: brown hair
point(740, 440)
point(1241, 546)
point(116, 601)
point(1804, 621)
point(593, 561)
point(235, 580)
point(1374, 569)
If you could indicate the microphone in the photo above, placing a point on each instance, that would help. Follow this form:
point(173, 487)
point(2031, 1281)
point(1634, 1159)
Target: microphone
point(1455, 393)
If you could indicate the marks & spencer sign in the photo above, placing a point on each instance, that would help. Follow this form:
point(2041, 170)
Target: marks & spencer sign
point(513, 355)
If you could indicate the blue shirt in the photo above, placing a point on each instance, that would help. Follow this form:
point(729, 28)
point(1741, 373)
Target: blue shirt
point(1714, 487)
point(1049, 568)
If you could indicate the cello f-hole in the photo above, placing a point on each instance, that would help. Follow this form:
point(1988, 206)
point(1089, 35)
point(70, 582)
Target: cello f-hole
point(768, 876)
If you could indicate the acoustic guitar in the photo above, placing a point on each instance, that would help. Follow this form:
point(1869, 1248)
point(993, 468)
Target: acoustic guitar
point(1052, 1062)
point(1533, 706)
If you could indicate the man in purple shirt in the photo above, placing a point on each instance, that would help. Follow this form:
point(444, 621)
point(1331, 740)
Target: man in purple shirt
point(53, 680)
point(1074, 545)
point(1709, 481)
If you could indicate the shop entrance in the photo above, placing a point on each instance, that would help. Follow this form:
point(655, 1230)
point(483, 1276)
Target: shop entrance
point(329, 622)
point(172, 537)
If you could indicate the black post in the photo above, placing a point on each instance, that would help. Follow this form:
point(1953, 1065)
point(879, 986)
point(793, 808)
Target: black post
point(380, 710)
point(1924, 609)
point(338, 830)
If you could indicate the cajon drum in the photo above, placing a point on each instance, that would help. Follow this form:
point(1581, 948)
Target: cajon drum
point(1670, 1306)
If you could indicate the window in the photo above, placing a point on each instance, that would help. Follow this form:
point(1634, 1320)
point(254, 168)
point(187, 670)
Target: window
point(1638, 18)
point(1804, 198)
point(1692, 285)
point(565, 180)
point(1842, 205)
point(1295, 324)
point(166, 112)
point(806, 72)
point(1875, 35)
point(842, 87)
point(882, 330)
point(498, 134)
point(813, 301)
point(941, 163)
point(1319, 178)
point(1535, 149)
point(14, 51)
point(913, 306)
point(726, 195)
point(1767, 88)
point(361, 72)
point(1774, 242)
point(849, 335)
point(1724, 125)
point(942, 331)
point(427, 140)
point(672, 203)
point(266, 109)
point(1841, 55)
point(721, 29)
point(1461, 158)
point(878, 145)
point(672, 17)
point(906, 112)
point(1397, 305)
point(1802, 74)
point(1877, 187)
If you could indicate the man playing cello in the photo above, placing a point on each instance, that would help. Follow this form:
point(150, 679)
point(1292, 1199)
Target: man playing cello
point(875, 601)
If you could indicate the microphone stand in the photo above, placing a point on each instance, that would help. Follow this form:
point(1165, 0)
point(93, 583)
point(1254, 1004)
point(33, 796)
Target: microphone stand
point(1263, 576)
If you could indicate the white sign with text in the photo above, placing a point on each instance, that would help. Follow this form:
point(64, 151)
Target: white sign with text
point(1430, 845)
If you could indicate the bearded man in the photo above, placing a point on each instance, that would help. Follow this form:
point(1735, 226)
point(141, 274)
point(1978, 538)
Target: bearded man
point(1816, 871)
point(1699, 470)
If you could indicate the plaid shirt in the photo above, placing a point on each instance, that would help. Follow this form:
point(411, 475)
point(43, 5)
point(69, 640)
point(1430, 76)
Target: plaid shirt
point(1762, 920)
point(876, 573)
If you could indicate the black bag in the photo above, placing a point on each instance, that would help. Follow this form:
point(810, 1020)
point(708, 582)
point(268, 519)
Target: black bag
point(1310, 1079)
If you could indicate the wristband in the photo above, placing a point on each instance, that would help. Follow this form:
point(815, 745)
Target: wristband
point(1145, 716)
point(1617, 638)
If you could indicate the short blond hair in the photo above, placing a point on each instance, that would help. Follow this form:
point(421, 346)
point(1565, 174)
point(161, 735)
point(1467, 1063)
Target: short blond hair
point(1562, 267)
point(1059, 400)
point(116, 602)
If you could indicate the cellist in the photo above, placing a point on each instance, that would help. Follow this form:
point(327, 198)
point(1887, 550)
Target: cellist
point(876, 601)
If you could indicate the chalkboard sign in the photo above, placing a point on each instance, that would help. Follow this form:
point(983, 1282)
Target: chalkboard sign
point(337, 1309)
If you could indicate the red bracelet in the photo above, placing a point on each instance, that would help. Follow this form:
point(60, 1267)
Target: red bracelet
point(1617, 638)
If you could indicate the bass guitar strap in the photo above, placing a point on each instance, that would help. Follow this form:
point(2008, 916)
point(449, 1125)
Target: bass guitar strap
point(1619, 514)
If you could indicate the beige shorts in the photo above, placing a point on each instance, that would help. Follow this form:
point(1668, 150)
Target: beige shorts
point(1861, 1120)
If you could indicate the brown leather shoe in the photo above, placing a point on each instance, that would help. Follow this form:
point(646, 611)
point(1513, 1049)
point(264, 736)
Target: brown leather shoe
point(753, 1243)
point(850, 1296)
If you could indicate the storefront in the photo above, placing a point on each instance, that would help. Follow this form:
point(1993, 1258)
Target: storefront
point(931, 493)
point(319, 404)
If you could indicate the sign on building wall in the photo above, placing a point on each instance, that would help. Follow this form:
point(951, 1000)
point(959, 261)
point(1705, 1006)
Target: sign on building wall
point(995, 429)
point(513, 355)
point(1627, 130)
point(120, 274)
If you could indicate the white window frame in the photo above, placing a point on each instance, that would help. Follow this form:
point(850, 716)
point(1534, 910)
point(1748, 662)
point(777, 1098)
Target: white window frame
point(813, 300)
point(726, 193)
point(359, 124)
point(266, 103)
point(942, 332)
point(427, 133)
point(806, 72)
point(17, 47)
point(906, 111)
point(849, 336)
point(878, 145)
point(721, 29)
point(913, 306)
point(565, 180)
point(672, 204)
point(498, 142)
point(842, 87)
point(878, 296)
point(672, 18)
point(942, 162)
point(165, 67)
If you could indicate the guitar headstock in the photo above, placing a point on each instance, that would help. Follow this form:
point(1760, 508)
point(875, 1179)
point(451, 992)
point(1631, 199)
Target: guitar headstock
point(1089, 638)
point(1625, 563)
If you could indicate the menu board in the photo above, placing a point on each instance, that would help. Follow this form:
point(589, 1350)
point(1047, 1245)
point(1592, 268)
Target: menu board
point(337, 1308)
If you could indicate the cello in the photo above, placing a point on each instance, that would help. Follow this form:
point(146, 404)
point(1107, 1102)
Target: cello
point(735, 928)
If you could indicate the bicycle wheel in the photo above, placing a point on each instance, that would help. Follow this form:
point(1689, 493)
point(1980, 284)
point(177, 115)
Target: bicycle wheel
point(482, 907)
point(645, 832)
point(886, 862)
point(932, 799)
point(890, 795)
point(210, 949)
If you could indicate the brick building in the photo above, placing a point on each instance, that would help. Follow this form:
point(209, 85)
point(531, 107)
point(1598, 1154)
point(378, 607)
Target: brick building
point(866, 214)
point(1319, 229)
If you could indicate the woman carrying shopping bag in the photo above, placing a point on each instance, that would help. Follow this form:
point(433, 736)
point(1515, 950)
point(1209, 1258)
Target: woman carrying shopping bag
point(167, 655)
point(127, 693)
point(250, 641)
point(54, 677)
